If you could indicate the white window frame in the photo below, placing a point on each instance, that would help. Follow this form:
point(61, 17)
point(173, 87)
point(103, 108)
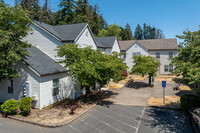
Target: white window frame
point(168, 69)
point(55, 90)
point(136, 53)
point(171, 55)
point(11, 86)
point(157, 53)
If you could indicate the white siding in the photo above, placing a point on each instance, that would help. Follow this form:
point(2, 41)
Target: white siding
point(116, 47)
point(26, 75)
point(85, 39)
point(129, 54)
point(66, 89)
point(164, 59)
point(44, 42)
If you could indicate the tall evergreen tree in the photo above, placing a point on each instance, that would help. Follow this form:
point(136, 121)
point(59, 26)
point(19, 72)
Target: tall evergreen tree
point(159, 34)
point(138, 35)
point(81, 11)
point(145, 31)
point(2, 1)
point(66, 14)
point(46, 15)
point(126, 33)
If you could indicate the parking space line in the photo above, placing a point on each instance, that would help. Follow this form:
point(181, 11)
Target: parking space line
point(106, 124)
point(116, 119)
point(140, 120)
point(75, 128)
point(128, 111)
point(92, 126)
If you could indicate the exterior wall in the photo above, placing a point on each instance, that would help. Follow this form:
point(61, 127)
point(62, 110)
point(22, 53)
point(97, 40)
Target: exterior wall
point(116, 47)
point(44, 42)
point(26, 75)
point(129, 54)
point(66, 89)
point(86, 39)
point(164, 59)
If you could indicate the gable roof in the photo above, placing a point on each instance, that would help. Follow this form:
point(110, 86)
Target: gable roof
point(42, 63)
point(65, 33)
point(105, 42)
point(151, 45)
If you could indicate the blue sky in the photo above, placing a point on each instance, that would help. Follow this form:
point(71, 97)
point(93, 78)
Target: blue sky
point(172, 16)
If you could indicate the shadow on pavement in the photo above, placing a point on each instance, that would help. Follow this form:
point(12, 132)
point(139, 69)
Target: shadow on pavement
point(167, 121)
point(136, 85)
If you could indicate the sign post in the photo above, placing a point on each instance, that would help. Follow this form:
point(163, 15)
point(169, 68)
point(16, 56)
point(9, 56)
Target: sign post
point(163, 85)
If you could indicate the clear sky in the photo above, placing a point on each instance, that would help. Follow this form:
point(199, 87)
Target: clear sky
point(172, 16)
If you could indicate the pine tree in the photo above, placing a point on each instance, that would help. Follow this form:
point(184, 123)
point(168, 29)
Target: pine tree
point(81, 11)
point(138, 35)
point(2, 1)
point(66, 14)
point(126, 33)
point(159, 34)
point(145, 31)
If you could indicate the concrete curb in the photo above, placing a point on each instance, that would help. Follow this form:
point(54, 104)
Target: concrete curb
point(52, 125)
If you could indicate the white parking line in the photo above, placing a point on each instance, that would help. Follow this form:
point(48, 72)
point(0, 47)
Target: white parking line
point(116, 119)
point(92, 126)
point(75, 128)
point(127, 111)
point(106, 124)
point(140, 120)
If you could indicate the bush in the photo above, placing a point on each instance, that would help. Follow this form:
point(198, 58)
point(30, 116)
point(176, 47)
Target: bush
point(25, 105)
point(9, 107)
point(198, 91)
point(189, 101)
point(124, 73)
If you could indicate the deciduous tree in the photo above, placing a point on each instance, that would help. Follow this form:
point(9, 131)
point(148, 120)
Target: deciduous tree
point(145, 65)
point(13, 27)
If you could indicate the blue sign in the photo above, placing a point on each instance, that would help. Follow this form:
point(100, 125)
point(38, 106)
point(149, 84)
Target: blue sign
point(163, 84)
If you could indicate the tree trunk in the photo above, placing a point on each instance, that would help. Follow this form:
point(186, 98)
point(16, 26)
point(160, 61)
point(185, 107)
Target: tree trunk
point(88, 91)
point(149, 80)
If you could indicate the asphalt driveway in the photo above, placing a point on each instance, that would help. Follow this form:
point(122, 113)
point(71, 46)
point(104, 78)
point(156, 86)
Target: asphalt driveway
point(112, 118)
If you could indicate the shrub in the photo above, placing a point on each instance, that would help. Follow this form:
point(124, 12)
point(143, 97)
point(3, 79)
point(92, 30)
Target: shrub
point(9, 107)
point(189, 101)
point(198, 91)
point(25, 105)
point(124, 73)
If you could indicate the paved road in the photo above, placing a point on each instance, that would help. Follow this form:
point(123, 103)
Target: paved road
point(112, 118)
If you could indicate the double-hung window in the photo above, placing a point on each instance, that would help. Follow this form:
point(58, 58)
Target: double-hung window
point(10, 86)
point(170, 54)
point(168, 68)
point(136, 53)
point(157, 55)
point(55, 87)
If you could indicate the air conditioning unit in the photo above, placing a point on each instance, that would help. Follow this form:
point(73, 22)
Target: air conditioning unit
point(34, 97)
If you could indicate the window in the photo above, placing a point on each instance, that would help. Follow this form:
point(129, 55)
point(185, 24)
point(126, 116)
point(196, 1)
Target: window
point(55, 87)
point(157, 55)
point(168, 68)
point(136, 53)
point(10, 86)
point(170, 54)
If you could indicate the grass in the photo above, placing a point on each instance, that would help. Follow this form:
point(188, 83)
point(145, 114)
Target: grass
point(170, 101)
point(115, 86)
point(185, 88)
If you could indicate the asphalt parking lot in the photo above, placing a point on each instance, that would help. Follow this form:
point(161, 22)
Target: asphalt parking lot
point(113, 118)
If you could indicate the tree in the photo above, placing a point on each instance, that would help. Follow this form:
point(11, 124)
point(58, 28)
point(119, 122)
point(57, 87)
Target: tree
point(87, 65)
point(2, 1)
point(159, 34)
point(126, 33)
point(81, 11)
point(187, 63)
point(138, 35)
point(66, 14)
point(30, 5)
point(111, 30)
point(145, 65)
point(13, 27)
point(46, 15)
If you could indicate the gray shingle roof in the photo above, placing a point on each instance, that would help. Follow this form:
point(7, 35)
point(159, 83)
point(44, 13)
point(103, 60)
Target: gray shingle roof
point(152, 44)
point(64, 32)
point(105, 42)
point(42, 63)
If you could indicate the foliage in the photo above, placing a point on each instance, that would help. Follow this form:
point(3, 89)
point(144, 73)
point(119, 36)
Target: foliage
point(189, 101)
point(87, 65)
point(138, 35)
point(25, 105)
point(198, 91)
point(13, 27)
point(126, 33)
point(111, 30)
point(9, 107)
point(187, 63)
point(145, 65)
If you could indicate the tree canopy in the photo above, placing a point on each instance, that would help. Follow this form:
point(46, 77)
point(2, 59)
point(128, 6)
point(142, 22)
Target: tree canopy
point(145, 65)
point(13, 27)
point(187, 63)
point(87, 65)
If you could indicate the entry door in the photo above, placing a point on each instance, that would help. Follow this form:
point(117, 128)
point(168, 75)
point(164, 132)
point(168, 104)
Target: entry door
point(27, 89)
